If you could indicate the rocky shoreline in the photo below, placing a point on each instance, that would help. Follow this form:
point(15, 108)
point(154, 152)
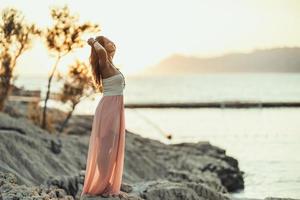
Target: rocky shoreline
point(29, 169)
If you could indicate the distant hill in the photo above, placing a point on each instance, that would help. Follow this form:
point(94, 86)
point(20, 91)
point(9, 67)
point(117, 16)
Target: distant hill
point(270, 60)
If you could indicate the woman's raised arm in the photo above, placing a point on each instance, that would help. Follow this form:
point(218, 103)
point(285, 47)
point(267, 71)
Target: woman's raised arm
point(109, 46)
point(100, 50)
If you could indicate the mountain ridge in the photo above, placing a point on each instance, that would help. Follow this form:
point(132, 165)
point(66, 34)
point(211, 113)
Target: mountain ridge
point(283, 59)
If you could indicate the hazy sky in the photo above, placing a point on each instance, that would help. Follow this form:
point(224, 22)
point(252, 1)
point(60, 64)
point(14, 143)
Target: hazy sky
point(147, 31)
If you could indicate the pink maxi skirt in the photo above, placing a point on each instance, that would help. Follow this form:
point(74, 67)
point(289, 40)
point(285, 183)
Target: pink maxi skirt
point(105, 157)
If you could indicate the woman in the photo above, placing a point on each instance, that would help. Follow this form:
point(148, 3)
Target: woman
point(103, 175)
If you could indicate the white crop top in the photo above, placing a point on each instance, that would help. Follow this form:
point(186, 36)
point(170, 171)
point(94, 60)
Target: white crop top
point(113, 85)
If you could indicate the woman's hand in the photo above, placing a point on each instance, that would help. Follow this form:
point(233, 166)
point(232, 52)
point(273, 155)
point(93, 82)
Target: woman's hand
point(95, 44)
point(91, 41)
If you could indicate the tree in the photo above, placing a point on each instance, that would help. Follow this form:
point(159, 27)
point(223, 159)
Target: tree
point(76, 86)
point(16, 37)
point(61, 39)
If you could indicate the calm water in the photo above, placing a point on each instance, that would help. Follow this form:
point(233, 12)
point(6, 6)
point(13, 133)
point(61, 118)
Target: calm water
point(265, 141)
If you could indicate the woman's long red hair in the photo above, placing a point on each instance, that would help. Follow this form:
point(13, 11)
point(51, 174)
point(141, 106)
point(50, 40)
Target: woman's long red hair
point(96, 72)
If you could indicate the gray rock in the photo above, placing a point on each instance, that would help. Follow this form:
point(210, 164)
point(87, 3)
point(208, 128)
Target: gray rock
point(11, 190)
point(164, 189)
point(189, 170)
point(128, 197)
point(69, 183)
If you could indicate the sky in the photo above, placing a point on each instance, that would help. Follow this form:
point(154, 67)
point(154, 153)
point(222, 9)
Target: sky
point(146, 32)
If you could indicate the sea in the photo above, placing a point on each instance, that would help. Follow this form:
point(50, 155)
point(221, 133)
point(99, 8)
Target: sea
point(265, 141)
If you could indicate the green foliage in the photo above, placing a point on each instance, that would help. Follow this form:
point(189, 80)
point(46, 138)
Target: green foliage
point(62, 38)
point(65, 34)
point(76, 86)
point(16, 36)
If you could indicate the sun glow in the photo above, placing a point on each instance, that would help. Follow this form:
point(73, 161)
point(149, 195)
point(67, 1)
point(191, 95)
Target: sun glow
point(147, 31)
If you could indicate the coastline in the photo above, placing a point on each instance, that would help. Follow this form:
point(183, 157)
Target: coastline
point(153, 170)
point(151, 167)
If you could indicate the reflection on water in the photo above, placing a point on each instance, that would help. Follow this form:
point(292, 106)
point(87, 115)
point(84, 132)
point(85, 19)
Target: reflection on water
point(214, 87)
point(265, 141)
point(198, 88)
